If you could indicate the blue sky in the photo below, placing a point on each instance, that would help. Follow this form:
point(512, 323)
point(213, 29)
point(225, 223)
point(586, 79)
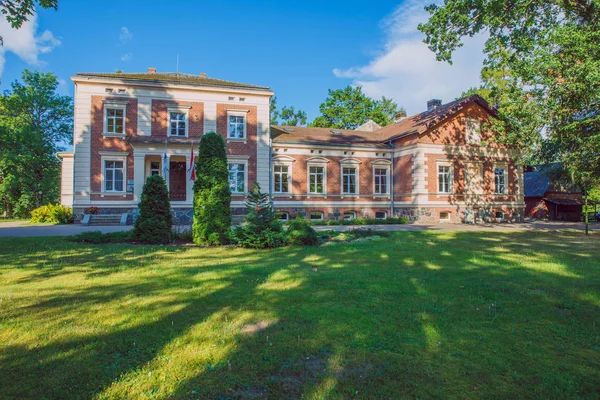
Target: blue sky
point(299, 49)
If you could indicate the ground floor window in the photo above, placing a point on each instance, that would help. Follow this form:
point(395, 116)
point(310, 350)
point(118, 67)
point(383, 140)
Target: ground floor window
point(499, 214)
point(237, 177)
point(114, 172)
point(349, 215)
point(316, 215)
point(154, 168)
point(380, 214)
point(282, 215)
point(444, 216)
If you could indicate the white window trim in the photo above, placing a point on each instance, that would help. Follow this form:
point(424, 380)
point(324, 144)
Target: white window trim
point(235, 160)
point(179, 110)
point(287, 215)
point(384, 213)
point(241, 113)
point(105, 156)
point(503, 166)
point(316, 219)
point(350, 163)
point(316, 164)
point(387, 182)
point(116, 105)
point(449, 219)
point(450, 178)
point(349, 219)
point(290, 184)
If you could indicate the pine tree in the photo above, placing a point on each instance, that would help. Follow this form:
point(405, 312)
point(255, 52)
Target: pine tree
point(212, 196)
point(154, 224)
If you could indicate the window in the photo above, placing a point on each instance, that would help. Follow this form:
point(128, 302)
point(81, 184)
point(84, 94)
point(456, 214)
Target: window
point(281, 178)
point(473, 131)
point(154, 168)
point(349, 215)
point(380, 214)
point(283, 216)
point(115, 121)
point(113, 176)
point(444, 216)
point(237, 178)
point(500, 215)
point(500, 180)
point(177, 124)
point(381, 180)
point(316, 216)
point(316, 179)
point(237, 126)
point(444, 179)
point(349, 180)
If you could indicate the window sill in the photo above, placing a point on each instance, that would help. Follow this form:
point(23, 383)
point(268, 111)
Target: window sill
point(234, 140)
point(381, 196)
point(113, 194)
point(114, 135)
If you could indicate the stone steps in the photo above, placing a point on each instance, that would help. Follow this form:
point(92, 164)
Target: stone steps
point(104, 219)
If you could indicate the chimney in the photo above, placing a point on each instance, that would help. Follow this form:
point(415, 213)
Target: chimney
point(400, 115)
point(433, 104)
point(151, 70)
point(202, 74)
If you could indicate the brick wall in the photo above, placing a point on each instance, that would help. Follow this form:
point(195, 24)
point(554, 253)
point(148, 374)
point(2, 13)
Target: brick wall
point(160, 117)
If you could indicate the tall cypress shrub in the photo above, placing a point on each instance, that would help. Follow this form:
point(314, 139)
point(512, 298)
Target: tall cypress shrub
point(154, 224)
point(212, 196)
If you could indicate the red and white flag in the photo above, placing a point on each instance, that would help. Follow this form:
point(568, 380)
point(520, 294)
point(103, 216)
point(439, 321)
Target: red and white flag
point(192, 169)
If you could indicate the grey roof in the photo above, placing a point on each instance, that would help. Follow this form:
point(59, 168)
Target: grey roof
point(536, 183)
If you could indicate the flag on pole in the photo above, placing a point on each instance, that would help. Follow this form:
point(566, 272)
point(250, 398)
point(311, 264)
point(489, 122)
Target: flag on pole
point(192, 170)
point(165, 166)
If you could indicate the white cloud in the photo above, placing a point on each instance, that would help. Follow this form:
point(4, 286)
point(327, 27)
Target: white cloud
point(24, 42)
point(407, 71)
point(125, 35)
point(126, 57)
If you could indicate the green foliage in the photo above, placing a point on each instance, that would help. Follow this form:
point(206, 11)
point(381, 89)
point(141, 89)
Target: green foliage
point(349, 108)
point(301, 233)
point(34, 120)
point(261, 228)
point(154, 224)
point(97, 237)
point(212, 195)
point(52, 214)
point(542, 72)
point(287, 116)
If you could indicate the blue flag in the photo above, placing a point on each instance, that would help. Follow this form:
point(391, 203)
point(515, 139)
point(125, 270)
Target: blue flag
point(165, 166)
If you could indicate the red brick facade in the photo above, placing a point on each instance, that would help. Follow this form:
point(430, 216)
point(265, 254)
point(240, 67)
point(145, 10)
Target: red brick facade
point(160, 117)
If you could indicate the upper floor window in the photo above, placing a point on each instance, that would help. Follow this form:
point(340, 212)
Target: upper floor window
point(349, 180)
point(381, 180)
point(236, 126)
point(237, 177)
point(316, 179)
point(444, 179)
point(281, 179)
point(114, 120)
point(500, 180)
point(177, 124)
point(114, 172)
point(473, 133)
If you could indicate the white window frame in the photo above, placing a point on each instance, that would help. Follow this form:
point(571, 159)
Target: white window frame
point(122, 157)
point(473, 131)
point(154, 169)
point(115, 106)
point(310, 218)
point(450, 177)
point(350, 163)
point(238, 160)
point(501, 218)
point(178, 110)
point(448, 219)
point(242, 114)
point(287, 215)
point(349, 212)
point(505, 175)
point(317, 162)
point(384, 214)
point(289, 174)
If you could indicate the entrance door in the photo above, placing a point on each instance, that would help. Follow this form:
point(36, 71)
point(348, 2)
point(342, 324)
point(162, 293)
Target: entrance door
point(177, 181)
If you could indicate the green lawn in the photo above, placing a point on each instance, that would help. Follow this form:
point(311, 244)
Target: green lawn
point(416, 315)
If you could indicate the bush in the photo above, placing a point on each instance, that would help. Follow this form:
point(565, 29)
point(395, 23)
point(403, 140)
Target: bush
point(97, 237)
point(212, 196)
point(301, 233)
point(261, 229)
point(52, 214)
point(154, 224)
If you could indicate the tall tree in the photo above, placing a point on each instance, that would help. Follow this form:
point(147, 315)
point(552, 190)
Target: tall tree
point(287, 116)
point(35, 123)
point(19, 11)
point(349, 108)
point(548, 88)
point(212, 195)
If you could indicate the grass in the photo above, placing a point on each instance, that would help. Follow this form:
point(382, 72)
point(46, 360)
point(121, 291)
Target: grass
point(412, 315)
point(2, 219)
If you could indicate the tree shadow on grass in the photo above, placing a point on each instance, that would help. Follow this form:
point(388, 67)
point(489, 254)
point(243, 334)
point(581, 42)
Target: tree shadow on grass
point(419, 315)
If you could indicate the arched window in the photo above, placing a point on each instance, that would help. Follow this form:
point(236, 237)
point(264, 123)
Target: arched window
point(282, 215)
point(380, 214)
point(500, 215)
point(316, 215)
point(349, 215)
